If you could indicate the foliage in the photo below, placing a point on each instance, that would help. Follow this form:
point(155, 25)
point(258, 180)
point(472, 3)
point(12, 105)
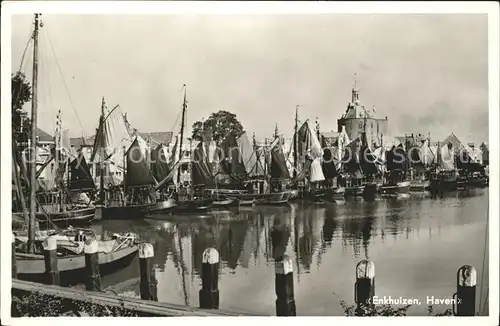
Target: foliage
point(36, 304)
point(385, 310)
point(21, 94)
point(220, 124)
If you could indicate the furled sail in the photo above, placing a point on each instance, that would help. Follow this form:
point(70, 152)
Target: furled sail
point(112, 138)
point(247, 153)
point(80, 176)
point(232, 159)
point(368, 161)
point(278, 169)
point(351, 158)
point(309, 150)
point(447, 157)
point(160, 166)
point(425, 154)
point(329, 161)
point(397, 160)
point(138, 173)
point(201, 173)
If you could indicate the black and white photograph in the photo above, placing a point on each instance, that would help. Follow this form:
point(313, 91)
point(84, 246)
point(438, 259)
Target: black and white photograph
point(175, 159)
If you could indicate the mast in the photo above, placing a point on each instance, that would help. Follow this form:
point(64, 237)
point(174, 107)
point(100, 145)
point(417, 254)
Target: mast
point(124, 177)
point(184, 105)
point(34, 107)
point(102, 194)
point(295, 163)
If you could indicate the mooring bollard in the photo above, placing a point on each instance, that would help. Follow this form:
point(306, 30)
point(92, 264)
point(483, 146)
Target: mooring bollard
point(364, 288)
point(14, 267)
point(148, 280)
point(466, 292)
point(209, 293)
point(50, 257)
point(285, 301)
point(92, 274)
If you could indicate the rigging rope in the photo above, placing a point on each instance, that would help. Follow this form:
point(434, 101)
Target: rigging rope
point(64, 82)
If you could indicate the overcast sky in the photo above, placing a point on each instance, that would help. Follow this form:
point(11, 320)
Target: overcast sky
point(427, 73)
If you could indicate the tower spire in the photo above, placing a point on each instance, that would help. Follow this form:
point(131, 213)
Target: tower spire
point(355, 91)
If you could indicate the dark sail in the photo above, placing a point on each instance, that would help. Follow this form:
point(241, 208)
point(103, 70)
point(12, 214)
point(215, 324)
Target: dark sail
point(159, 164)
point(278, 170)
point(328, 162)
point(201, 174)
point(80, 177)
point(138, 173)
point(465, 162)
point(397, 159)
point(232, 162)
point(367, 159)
point(351, 158)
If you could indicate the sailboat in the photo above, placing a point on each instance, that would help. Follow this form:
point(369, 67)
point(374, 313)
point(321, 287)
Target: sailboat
point(30, 262)
point(278, 173)
point(189, 200)
point(396, 177)
point(421, 159)
point(53, 196)
point(359, 170)
point(126, 182)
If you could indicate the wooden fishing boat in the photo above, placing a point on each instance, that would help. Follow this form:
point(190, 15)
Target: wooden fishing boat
point(193, 205)
point(113, 254)
point(75, 217)
point(419, 185)
point(396, 189)
point(130, 211)
point(162, 207)
point(279, 198)
point(243, 199)
point(222, 203)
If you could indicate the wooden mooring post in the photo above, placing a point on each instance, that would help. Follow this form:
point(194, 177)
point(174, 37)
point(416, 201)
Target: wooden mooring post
point(92, 274)
point(148, 285)
point(209, 293)
point(50, 257)
point(364, 288)
point(285, 301)
point(14, 266)
point(466, 292)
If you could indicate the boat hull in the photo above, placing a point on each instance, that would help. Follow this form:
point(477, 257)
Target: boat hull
point(193, 206)
point(125, 212)
point(72, 268)
point(77, 217)
point(421, 186)
point(222, 203)
point(163, 207)
point(279, 198)
point(396, 189)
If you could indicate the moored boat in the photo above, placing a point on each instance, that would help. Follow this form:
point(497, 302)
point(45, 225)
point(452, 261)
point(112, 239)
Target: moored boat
point(75, 217)
point(112, 254)
point(335, 194)
point(162, 207)
point(193, 205)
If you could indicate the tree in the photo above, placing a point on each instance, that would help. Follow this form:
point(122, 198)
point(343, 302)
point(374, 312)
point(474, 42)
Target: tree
point(220, 124)
point(21, 94)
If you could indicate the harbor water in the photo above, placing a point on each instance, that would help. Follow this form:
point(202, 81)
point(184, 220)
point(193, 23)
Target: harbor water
point(417, 246)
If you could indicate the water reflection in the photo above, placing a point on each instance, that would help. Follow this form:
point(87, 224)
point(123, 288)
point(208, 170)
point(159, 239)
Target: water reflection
point(323, 240)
